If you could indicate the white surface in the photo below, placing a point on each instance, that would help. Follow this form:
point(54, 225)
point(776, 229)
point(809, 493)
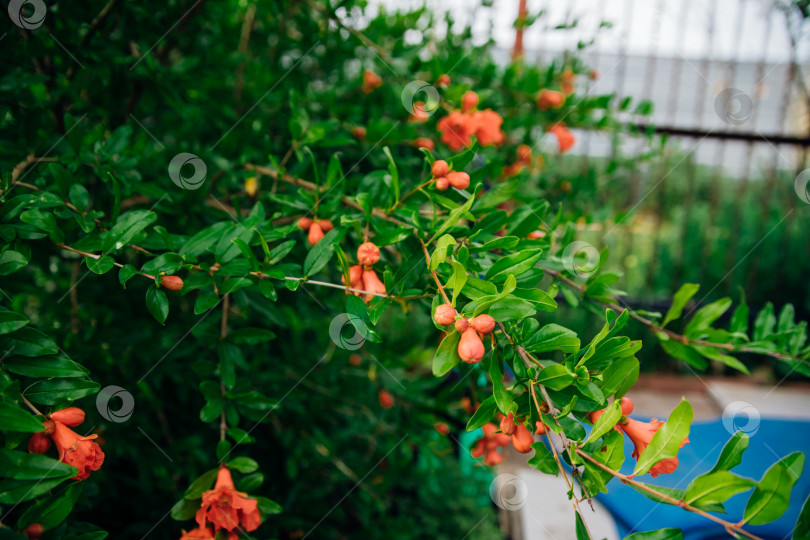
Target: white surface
point(765, 401)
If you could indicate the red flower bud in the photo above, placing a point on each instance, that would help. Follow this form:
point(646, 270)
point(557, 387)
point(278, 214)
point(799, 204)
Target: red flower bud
point(522, 439)
point(442, 183)
point(368, 254)
point(304, 223)
point(443, 80)
point(70, 416)
point(442, 428)
point(461, 324)
point(508, 424)
point(440, 168)
point(627, 406)
point(39, 443)
point(326, 225)
point(550, 99)
point(173, 283)
point(386, 399)
point(355, 277)
point(315, 234)
point(541, 428)
point(483, 324)
point(424, 142)
point(445, 315)
point(536, 234)
point(372, 283)
point(471, 348)
point(34, 531)
point(469, 101)
point(355, 359)
point(459, 179)
point(565, 138)
point(493, 458)
point(359, 132)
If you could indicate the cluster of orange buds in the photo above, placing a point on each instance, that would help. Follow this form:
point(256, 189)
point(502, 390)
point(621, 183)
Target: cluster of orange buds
point(362, 276)
point(524, 159)
point(522, 438)
point(443, 81)
point(549, 99)
point(471, 344)
point(370, 81)
point(567, 81)
point(565, 139)
point(317, 228)
point(443, 177)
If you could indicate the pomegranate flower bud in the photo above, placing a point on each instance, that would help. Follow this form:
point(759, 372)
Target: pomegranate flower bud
point(34, 531)
point(326, 225)
point(442, 183)
point(386, 399)
point(173, 283)
point(372, 283)
point(39, 443)
point(470, 347)
point(368, 254)
point(468, 101)
point(70, 416)
point(459, 179)
point(461, 324)
point(508, 424)
point(522, 439)
point(440, 168)
point(315, 234)
point(483, 324)
point(540, 428)
point(627, 406)
point(304, 223)
point(445, 315)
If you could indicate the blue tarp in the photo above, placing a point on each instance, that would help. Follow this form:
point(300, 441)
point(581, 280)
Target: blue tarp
point(773, 440)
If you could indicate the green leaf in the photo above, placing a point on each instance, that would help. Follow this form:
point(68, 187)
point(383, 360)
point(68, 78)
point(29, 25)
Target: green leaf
point(30, 342)
point(543, 459)
point(392, 170)
point(515, 264)
point(45, 221)
point(157, 303)
point(126, 273)
point(53, 510)
point(802, 529)
point(13, 492)
point(660, 534)
point(250, 336)
point(79, 197)
point(322, 252)
point(483, 414)
point(234, 284)
point(503, 399)
point(706, 315)
point(680, 299)
point(667, 441)
point(731, 456)
point(243, 465)
point(127, 227)
point(11, 261)
point(440, 253)
point(46, 366)
point(716, 487)
point(553, 337)
point(185, 509)
point(555, 377)
point(25, 466)
point(268, 507)
point(455, 214)
point(771, 497)
point(11, 321)
point(57, 391)
point(581, 530)
point(14, 418)
point(200, 485)
point(606, 421)
point(102, 265)
point(446, 356)
point(459, 279)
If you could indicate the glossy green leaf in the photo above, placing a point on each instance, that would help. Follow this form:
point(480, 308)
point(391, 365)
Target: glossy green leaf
point(14, 418)
point(515, 264)
point(679, 300)
point(771, 497)
point(716, 487)
point(446, 356)
point(57, 391)
point(667, 441)
point(606, 422)
point(157, 303)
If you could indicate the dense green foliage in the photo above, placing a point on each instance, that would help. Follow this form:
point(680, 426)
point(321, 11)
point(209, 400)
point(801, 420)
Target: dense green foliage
point(250, 363)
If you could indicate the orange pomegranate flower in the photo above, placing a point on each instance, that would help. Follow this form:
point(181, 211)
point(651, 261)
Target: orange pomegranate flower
point(550, 99)
point(488, 130)
point(81, 452)
point(225, 508)
point(641, 433)
point(424, 142)
point(370, 81)
point(456, 129)
point(198, 534)
point(564, 137)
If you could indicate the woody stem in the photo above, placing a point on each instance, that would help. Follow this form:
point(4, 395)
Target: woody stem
point(223, 332)
point(627, 480)
point(31, 406)
point(433, 272)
